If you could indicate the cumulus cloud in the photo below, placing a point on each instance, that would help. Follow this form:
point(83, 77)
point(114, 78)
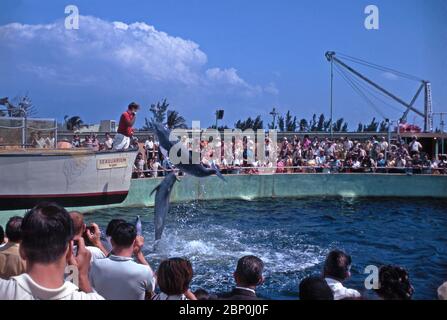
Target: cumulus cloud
point(115, 47)
point(115, 57)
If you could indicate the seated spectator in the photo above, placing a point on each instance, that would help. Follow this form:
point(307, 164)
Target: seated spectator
point(47, 234)
point(93, 234)
point(442, 291)
point(76, 142)
point(248, 276)
point(11, 264)
point(315, 288)
point(337, 270)
point(119, 277)
point(173, 278)
point(394, 284)
point(2, 237)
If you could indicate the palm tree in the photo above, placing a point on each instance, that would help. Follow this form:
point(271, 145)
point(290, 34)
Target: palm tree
point(175, 120)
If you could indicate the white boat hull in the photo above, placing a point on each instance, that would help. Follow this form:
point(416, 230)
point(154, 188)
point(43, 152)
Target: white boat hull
point(69, 177)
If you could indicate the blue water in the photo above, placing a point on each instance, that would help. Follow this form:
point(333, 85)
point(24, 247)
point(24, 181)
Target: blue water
point(293, 236)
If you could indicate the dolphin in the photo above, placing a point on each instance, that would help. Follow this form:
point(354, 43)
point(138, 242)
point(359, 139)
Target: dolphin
point(162, 202)
point(197, 170)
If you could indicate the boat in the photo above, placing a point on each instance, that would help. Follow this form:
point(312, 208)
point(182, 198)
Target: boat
point(70, 177)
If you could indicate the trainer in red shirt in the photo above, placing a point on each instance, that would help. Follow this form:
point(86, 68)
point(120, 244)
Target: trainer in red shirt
point(127, 120)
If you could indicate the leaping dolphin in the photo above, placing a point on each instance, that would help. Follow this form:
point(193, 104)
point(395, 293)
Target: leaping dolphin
point(197, 170)
point(162, 202)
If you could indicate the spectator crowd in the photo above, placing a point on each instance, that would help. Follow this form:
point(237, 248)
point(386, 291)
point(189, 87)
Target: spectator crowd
point(317, 155)
point(52, 254)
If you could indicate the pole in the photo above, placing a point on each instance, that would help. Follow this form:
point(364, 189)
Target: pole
point(216, 119)
point(332, 88)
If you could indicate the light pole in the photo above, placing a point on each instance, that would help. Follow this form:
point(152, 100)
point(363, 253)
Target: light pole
point(332, 89)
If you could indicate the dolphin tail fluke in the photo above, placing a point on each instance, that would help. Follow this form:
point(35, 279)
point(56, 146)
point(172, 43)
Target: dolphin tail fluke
point(218, 173)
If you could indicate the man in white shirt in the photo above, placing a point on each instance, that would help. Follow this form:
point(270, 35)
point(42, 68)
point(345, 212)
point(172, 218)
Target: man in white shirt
point(47, 248)
point(415, 146)
point(337, 270)
point(98, 250)
point(118, 277)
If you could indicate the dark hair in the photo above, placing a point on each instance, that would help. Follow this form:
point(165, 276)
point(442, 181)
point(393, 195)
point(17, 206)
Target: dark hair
point(337, 265)
point(394, 283)
point(2, 235)
point(174, 276)
point(249, 270)
point(47, 230)
point(14, 229)
point(133, 105)
point(202, 294)
point(124, 234)
point(112, 225)
point(315, 288)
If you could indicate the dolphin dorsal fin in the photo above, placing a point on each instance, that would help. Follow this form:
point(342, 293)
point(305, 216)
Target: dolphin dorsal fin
point(155, 189)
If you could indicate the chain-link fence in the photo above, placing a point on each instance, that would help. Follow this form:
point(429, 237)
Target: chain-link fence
point(28, 132)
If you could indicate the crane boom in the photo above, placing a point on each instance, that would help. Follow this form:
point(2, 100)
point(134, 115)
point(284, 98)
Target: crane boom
point(330, 56)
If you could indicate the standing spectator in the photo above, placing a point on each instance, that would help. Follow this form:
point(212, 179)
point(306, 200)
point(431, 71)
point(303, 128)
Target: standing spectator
point(248, 276)
point(149, 147)
point(442, 291)
point(394, 284)
point(107, 241)
point(93, 234)
point(47, 233)
point(108, 143)
point(11, 264)
point(173, 278)
point(337, 270)
point(415, 146)
point(118, 277)
point(2, 237)
point(125, 127)
point(315, 288)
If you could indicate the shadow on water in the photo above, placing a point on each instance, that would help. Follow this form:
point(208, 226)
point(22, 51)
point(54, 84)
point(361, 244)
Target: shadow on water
point(293, 236)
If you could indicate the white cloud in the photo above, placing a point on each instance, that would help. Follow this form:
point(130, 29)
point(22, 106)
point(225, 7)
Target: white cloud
point(104, 62)
point(115, 47)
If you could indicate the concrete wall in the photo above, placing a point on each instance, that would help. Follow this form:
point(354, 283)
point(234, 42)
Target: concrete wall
point(249, 187)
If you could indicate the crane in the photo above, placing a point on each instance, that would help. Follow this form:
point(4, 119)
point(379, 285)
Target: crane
point(426, 114)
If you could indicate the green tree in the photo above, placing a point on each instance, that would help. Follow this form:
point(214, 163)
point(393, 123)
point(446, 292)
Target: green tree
point(304, 125)
point(372, 127)
point(290, 123)
point(250, 123)
point(281, 124)
point(175, 121)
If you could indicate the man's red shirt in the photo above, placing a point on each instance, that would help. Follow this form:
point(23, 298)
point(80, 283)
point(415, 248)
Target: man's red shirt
point(125, 125)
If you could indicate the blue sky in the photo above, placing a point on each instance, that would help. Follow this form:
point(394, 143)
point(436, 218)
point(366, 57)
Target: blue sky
point(243, 56)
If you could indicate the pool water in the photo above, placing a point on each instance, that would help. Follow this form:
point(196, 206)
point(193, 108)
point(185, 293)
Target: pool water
point(293, 236)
